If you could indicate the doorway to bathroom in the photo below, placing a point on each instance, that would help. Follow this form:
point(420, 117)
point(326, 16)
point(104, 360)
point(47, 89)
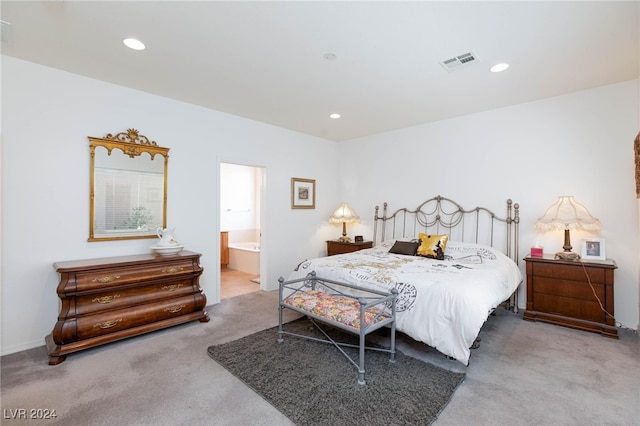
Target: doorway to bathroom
point(240, 228)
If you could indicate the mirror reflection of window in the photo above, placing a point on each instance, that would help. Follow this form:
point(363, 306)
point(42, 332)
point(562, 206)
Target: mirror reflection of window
point(128, 192)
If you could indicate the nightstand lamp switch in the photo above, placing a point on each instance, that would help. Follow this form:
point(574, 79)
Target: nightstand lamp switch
point(567, 214)
point(344, 214)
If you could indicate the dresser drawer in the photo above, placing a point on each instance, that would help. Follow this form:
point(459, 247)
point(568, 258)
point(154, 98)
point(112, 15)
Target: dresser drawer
point(568, 307)
point(338, 247)
point(122, 319)
point(574, 273)
point(565, 288)
point(98, 280)
point(118, 298)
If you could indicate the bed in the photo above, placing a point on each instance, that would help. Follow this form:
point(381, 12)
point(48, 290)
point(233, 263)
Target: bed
point(442, 301)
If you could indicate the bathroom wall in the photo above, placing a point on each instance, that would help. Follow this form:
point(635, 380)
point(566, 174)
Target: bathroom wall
point(240, 201)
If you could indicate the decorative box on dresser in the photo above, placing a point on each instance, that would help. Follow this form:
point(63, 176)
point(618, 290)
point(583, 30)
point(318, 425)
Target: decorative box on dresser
point(340, 247)
point(559, 292)
point(109, 299)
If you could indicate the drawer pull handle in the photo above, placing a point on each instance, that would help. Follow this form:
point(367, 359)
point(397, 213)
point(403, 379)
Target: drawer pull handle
point(172, 270)
point(107, 324)
point(106, 299)
point(174, 309)
point(172, 287)
point(106, 279)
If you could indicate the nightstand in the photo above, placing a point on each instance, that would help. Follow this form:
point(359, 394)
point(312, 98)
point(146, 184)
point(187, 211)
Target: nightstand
point(338, 247)
point(558, 292)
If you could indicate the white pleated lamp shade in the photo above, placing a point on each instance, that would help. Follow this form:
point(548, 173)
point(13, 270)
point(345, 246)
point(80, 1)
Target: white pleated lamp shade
point(344, 214)
point(567, 213)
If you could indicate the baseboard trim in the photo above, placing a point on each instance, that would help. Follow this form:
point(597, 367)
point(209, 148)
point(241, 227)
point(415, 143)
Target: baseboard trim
point(22, 347)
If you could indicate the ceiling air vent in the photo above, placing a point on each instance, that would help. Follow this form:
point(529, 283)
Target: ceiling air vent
point(459, 61)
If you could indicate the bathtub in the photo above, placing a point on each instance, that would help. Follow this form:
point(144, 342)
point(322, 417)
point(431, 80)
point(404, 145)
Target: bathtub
point(245, 257)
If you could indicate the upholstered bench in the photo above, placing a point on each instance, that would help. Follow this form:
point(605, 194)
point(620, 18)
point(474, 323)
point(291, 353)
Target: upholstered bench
point(353, 309)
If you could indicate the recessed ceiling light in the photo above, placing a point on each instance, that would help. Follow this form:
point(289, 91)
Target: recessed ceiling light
point(499, 67)
point(134, 44)
point(334, 115)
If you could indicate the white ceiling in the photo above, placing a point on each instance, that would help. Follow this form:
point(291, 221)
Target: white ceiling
point(264, 60)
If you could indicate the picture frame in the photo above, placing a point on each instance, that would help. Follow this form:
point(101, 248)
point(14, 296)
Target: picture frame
point(593, 249)
point(303, 193)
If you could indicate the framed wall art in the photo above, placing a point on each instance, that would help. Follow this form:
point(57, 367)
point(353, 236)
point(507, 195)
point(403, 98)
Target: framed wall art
point(593, 249)
point(303, 193)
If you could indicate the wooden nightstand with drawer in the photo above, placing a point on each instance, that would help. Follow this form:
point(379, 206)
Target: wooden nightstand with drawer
point(339, 247)
point(559, 292)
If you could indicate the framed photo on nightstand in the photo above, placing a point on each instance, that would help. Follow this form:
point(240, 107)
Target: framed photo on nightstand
point(593, 249)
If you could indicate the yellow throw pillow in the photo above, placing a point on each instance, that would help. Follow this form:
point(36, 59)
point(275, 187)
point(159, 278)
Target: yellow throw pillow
point(432, 246)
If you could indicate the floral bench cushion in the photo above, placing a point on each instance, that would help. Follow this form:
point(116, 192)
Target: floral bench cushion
point(342, 309)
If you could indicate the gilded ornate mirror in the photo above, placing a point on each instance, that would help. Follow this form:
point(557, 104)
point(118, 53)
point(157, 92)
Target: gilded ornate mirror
point(128, 187)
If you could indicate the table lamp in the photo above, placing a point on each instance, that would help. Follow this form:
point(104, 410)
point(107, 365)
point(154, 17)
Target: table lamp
point(567, 214)
point(344, 214)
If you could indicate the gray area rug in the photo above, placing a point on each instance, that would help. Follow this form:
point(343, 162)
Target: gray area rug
point(312, 383)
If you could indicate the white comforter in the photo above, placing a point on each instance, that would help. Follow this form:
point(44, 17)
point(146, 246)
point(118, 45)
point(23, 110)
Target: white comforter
point(442, 303)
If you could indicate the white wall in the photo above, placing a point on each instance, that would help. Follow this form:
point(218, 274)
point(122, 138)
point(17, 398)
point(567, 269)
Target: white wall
point(47, 115)
point(579, 144)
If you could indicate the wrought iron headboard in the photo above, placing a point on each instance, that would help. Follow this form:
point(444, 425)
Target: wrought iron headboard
point(440, 215)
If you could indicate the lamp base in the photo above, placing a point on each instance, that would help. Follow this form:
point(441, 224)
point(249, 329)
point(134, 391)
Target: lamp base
point(567, 255)
point(344, 239)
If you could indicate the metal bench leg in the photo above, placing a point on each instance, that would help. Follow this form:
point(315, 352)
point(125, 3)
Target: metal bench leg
point(280, 339)
point(361, 380)
point(392, 357)
point(280, 309)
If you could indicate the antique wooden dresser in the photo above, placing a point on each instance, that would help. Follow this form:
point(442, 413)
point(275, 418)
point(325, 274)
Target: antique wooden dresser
point(109, 299)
